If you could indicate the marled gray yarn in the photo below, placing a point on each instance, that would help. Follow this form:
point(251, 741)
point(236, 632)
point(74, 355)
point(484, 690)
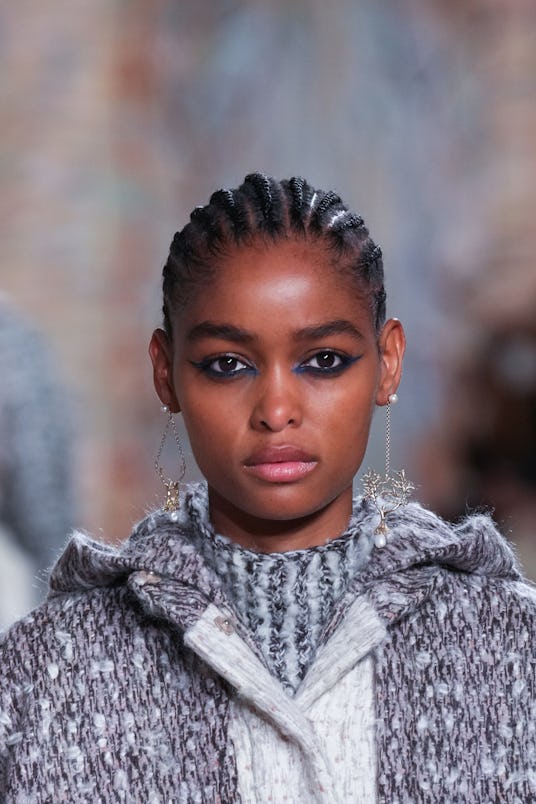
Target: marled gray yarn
point(285, 599)
point(101, 702)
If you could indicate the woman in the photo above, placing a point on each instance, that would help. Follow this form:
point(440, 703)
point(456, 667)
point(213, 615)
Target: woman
point(274, 640)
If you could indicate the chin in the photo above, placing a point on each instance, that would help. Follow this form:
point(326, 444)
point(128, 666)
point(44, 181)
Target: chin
point(283, 504)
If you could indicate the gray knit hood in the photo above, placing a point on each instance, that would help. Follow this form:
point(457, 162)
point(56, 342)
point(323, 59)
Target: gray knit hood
point(395, 577)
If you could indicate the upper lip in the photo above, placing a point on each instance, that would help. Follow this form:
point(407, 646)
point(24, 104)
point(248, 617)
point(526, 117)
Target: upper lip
point(278, 454)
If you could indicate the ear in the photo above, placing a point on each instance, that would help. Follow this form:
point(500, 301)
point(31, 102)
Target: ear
point(161, 354)
point(392, 344)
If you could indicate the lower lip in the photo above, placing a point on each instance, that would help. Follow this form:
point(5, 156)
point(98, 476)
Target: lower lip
point(285, 472)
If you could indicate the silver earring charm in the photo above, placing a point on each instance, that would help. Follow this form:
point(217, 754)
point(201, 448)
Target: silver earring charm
point(172, 486)
point(389, 492)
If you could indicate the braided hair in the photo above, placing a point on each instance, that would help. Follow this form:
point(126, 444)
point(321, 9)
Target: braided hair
point(265, 210)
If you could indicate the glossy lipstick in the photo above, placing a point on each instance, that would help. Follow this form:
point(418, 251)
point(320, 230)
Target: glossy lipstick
point(284, 464)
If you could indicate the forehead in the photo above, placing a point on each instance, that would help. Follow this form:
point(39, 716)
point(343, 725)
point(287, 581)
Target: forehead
point(276, 286)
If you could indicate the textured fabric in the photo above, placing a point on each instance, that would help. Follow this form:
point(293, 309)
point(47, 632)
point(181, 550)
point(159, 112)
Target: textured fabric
point(100, 704)
point(270, 769)
point(285, 599)
point(456, 676)
point(127, 684)
point(318, 744)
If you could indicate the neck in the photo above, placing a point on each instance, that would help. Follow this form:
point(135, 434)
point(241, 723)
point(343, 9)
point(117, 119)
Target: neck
point(280, 536)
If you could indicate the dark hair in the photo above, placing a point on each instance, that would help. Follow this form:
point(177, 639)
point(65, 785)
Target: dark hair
point(263, 209)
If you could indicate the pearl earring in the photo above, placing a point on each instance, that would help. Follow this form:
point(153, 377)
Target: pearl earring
point(389, 492)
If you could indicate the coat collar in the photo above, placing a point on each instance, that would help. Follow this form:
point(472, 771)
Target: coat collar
point(396, 578)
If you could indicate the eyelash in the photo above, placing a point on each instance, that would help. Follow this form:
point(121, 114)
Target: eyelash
point(344, 362)
point(207, 364)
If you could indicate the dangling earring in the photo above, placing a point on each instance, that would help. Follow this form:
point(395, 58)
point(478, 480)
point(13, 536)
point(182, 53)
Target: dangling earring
point(172, 486)
point(389, 492)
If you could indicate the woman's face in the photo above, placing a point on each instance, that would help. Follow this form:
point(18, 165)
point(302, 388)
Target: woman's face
point(277, 368)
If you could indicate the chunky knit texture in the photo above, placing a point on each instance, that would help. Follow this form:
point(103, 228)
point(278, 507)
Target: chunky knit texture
point(123, 685)
point(284, 599)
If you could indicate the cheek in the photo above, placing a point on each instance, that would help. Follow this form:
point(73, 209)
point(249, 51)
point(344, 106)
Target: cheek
point(348, 430)
point(345, 418)
point(353, 402)
point(211, 425)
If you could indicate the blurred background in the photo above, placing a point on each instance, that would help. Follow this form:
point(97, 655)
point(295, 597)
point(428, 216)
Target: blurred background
point(118, 118)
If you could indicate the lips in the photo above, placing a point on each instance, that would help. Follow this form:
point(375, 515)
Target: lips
point(280, 464)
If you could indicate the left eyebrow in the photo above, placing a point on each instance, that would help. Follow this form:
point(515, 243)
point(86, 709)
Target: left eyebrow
point(338, 327)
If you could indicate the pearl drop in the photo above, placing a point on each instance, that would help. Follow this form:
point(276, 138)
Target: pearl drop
point(380, 540)
point(393, 398)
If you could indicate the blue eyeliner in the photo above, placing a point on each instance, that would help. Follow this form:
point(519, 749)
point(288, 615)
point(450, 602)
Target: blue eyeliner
point(305, 367)
point(205, 366)
point(346, 362)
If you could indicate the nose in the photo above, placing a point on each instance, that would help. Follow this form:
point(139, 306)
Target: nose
point(277, 404)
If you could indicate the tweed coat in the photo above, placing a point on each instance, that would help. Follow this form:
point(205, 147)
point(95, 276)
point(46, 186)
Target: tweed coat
point(124, 685)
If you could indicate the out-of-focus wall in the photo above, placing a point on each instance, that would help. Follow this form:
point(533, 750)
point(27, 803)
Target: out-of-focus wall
point(118, 118)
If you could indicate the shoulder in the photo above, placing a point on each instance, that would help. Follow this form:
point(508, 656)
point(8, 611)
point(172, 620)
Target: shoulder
point(80, 614)
point(472, 634)
point(478, 626)
point(77, 649)
point(473, 545)
point(487, 603)
point(73, 632)
point(449, 578)
point(458, 670)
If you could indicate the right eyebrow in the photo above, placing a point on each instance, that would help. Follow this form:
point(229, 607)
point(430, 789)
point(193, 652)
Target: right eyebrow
point(226, 332)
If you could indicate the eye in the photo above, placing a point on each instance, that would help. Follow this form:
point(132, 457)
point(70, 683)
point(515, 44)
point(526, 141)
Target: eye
point(325, 362)
point(224, 366)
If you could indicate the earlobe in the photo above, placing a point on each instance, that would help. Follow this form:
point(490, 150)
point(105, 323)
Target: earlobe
point(392, 343)
point(160, 352)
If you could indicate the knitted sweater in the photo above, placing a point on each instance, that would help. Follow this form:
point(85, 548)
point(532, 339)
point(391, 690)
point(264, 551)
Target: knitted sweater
point(284, 599)
point(135, 681)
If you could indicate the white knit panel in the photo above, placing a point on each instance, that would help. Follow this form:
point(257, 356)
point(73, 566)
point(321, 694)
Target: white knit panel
point(268, 768)
point(344, 722)
point(318, 746)
point(271, 769)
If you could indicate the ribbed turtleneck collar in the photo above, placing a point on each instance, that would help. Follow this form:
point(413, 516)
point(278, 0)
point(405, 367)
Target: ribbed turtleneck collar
point(284, 599)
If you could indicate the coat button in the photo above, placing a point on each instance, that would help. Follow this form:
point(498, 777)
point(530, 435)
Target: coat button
point(225, 624)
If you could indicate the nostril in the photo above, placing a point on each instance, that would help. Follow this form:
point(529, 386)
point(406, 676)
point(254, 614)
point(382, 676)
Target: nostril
point(270, 427)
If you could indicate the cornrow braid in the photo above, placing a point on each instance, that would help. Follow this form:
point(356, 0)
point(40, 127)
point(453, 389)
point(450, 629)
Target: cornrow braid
point(296, 188)
point(268, 203)
point(225, 201)
point(329, 200)
point(263, 188)
point(346, 220)
point(265, 210)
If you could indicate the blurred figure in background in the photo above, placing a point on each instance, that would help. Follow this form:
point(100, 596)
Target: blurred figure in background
point(36, 491)
point(482, 454)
